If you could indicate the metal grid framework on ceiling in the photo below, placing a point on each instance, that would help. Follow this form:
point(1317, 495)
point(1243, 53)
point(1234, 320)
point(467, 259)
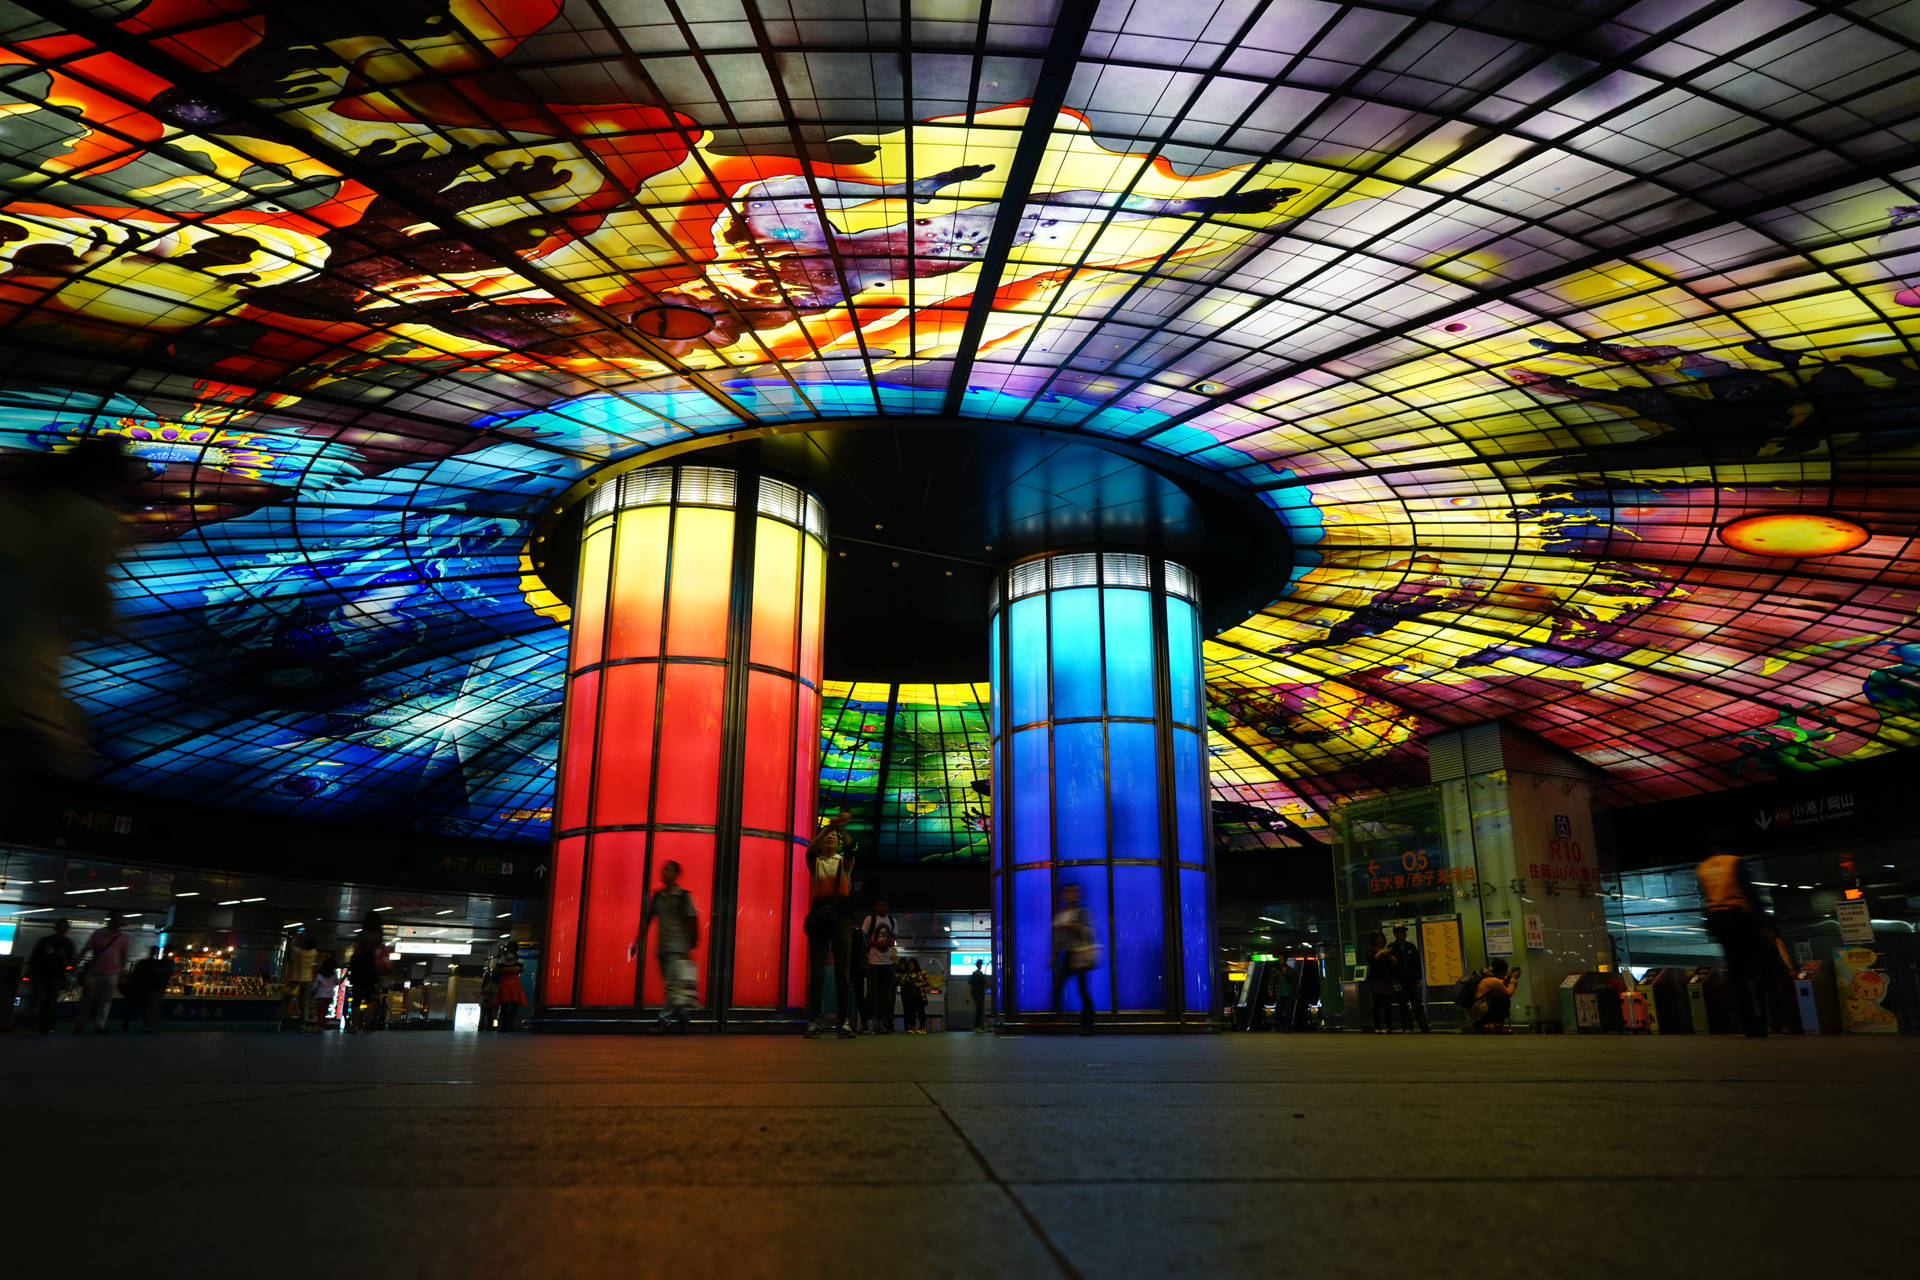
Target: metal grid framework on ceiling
point(1517, 314)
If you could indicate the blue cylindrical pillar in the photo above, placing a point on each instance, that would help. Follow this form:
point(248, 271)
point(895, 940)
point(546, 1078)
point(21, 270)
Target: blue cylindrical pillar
point(1100, 781)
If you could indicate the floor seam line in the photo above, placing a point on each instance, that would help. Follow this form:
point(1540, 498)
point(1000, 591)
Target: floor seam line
point(1058, 1255)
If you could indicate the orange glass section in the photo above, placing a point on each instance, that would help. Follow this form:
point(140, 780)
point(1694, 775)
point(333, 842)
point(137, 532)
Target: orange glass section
point(625, 778)
point(640, 582)
point(689, 767)
point(616, 889)
point(776, 594)
point(768, 774)
point(812, 600)
point(563, 919)
point(756, 949)
point(588, 637)
point(643, 750)
point(576, 772)
point(701, 585)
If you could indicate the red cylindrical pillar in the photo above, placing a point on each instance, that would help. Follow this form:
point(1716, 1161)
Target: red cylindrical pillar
point(692, 734)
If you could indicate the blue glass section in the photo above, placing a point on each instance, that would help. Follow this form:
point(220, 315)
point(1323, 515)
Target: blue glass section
point(1076, 653)
point(1027, 658)
point(1195, 949)
point(1080, 791)
point(993, 671)
point(1129, 630)
point(1093, 897)
point(1139, 949)
point(999, 810)
point(1033, 938)
point(1028, 793)
point(1135, 791)
point(1183, 662)
point(1190, 797)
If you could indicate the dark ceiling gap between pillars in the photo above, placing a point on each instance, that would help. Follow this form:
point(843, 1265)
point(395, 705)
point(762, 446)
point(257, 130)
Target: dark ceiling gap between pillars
point(1070, 30)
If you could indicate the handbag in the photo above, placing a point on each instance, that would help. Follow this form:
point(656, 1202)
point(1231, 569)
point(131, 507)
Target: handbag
point(1084, 958)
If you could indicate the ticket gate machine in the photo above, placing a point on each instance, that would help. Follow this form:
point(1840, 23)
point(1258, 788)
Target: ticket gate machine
point(1816, 1000)
point(1710, 1002)
point(1667, 992)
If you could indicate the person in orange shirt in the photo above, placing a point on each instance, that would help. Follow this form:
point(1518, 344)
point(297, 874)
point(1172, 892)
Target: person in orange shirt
point(1732, 907)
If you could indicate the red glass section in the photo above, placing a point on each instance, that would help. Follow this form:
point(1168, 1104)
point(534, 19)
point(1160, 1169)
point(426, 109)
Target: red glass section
point(563, 921)
point(694, 853)
point(768, 774)
point(756, 945)
point(639, 583)
point(588, 628)
point(776, 594)
point(616, 887)
point(806, 761)
point(689, 772)
point(576, 750)
point(626, 744)
point(702, 583)
point(797, 938)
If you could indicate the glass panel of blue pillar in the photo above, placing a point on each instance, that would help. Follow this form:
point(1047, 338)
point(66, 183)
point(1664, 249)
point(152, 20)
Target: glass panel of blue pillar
point(1135, 793)
point(1093, 898)
point(1183, 639)
point(1027, 793)
point(1139, 956)
point(1190, 818)
point(1033, 937)
point(1129, 633)
point(1075, 634)
point(1193, 940)
point(1079, 789)
point(1027, 658)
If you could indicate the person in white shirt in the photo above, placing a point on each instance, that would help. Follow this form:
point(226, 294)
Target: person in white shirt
point(104, 963)
point(879, 930)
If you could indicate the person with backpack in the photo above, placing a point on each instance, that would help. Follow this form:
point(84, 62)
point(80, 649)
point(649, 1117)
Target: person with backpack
point(879, 932)
point(145, 986)
point(1410, 972)
point(1383, 990)
point(672, 906)
point(1075, 953)
point(829, 924)
point(1490, 1002)
point(104, 965)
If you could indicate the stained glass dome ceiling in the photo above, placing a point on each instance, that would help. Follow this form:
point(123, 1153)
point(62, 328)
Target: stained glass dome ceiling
point(1574, 344)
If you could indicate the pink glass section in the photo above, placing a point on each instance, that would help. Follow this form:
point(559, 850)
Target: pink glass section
point(563, 920)
point(616, 888)
point(769, 771)
point(756, 948)
point(702, 583)
point(626, 745)
point(689, 766)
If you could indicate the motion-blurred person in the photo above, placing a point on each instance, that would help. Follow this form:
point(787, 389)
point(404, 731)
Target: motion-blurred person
point(49, 969)
point(1778, 965)
point(489, 996)
point(1075, 953)
point(977, 988)
point(512, 995)
point(325, 985)
point(103, 964)
point(829, 924)
point(1383, 989)
point(1410, 973)
point(1493, 1000)
point(672, 907)
point(367, 963)
point(301, 956)
point(1732, 907)
point(877, 934)
point(146, 984)
point(61, 528)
